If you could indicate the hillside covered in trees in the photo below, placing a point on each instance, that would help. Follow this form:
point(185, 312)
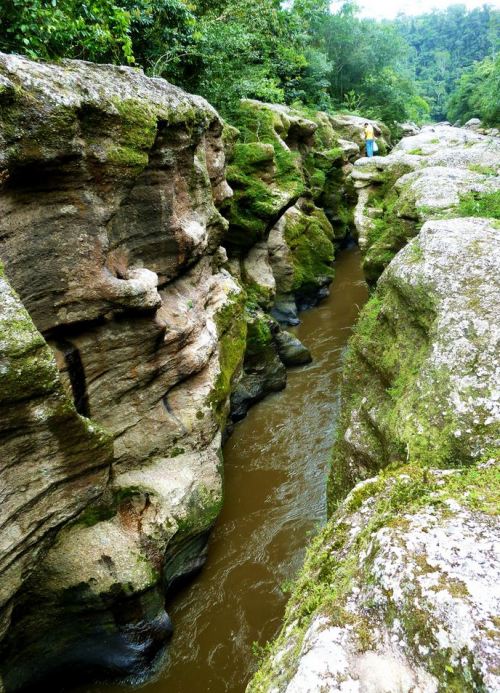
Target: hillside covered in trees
point(438, 65)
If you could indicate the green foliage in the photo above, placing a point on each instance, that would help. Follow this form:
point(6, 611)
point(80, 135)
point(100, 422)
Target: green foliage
point(475, 204)
point(296, 52)
point(444, 44)
point(477, 92)
point(49, 29)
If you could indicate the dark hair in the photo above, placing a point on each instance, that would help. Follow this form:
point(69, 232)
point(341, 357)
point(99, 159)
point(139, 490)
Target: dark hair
point(366, 123)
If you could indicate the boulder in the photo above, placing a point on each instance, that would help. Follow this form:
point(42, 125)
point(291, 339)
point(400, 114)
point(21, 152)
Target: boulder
point(473, 124)
point(421, 371)
point(301, 253)
point(291, 350)
point(263, 370)
point(398, 593)
point(265, 170)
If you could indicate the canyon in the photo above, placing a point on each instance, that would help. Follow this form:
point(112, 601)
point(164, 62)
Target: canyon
point(153, 257)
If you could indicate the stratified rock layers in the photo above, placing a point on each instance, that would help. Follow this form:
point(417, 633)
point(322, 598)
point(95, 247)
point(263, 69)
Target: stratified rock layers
point(54, 462)
point(110, 234)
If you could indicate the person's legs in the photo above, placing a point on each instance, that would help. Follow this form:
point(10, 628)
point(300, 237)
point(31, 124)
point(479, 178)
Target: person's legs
point(369, 147)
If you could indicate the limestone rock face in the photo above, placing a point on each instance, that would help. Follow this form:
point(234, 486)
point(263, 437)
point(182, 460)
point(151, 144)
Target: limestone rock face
point(55, 462)
point(398, 594)
point(422, 367)
point(140, 158)
point(110, 234)
point(441, 171)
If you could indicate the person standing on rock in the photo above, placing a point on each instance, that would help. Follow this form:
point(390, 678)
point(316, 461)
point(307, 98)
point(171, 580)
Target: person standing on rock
point(369, 138)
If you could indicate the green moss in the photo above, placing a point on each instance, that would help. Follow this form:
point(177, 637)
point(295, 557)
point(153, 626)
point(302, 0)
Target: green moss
point(29, 368)
point(309, 234)
point(475, 204)
point(232, 331)
point(265, 176)
point(483, 170)
point(126, 156)
point(388, 234)
point(416, 152)
point(259, 335)
point(203, 508)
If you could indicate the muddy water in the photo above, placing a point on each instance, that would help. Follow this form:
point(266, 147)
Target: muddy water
point(275, 465)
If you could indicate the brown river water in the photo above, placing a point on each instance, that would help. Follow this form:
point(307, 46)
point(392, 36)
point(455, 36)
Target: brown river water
point(276, 463)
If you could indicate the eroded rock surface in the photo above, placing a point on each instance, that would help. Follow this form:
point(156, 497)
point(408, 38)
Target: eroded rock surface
point(110, 234)
point(399, 593)
point(440, 172)
point(54, 462)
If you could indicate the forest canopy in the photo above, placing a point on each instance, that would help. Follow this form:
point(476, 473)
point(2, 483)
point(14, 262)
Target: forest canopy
point(442, 64)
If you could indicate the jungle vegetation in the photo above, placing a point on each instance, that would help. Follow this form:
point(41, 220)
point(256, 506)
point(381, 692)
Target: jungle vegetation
point(441, 64)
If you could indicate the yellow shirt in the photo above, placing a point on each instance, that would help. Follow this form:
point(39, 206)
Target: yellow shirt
point(369, 132)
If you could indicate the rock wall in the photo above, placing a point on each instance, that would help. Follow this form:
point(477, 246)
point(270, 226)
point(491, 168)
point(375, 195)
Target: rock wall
point(110, 235)
point(54, 462)
point(399, 592)
point(292, 208)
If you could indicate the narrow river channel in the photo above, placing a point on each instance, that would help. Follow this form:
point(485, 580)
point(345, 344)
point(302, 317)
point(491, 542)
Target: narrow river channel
point(275, 477)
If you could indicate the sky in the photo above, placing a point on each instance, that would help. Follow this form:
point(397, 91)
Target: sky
point(387, 9)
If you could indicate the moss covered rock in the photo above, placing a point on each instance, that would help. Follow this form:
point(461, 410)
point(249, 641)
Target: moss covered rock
point(426, 176)
point(301, 253)
point(55, 462)
point(110, 232)
point(265, 170)
point(421, 369)
point(398, 591)
point(263, 370)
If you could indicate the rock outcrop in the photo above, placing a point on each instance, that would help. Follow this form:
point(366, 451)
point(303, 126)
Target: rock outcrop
point(399, 592)
point(142, 321)
point(422, 365)
point(110, 234)
point(54, 461)
point(442, 170)
point(292, 206)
